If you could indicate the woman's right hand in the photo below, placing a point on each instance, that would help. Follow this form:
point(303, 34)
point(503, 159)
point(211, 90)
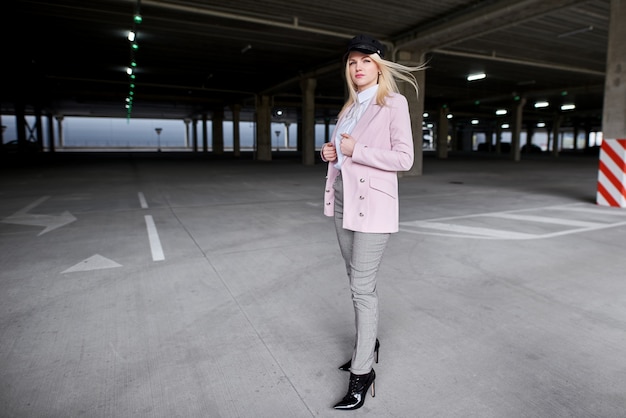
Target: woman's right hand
point(329, 152)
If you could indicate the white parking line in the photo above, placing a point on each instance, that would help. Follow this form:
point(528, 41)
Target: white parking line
point(548, 220)
point(142, 200)
point(153, 237)
point(468, 231)
point(452, 226)
point(598, 210)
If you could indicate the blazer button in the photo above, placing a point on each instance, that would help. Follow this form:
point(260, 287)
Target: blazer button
point(327, 190)
point(361, 214)
point(361, 197)
point(362, 180)
point(327, 203)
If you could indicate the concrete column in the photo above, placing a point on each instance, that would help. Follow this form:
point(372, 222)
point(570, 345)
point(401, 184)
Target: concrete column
point(549, 136)
point(236, 131)
point(187, 121)
point(452, 130)
point(613, 120)
point(587, 135)
point(308, 120)
point(205, 134)
point(416, 109)
point(60, 131)
point(299, 130)
point(194, 134)
point(326, 129)
point(51, 141)
point(612, 172)
point(517, 129)
point(465, 134)
point(218, 131)
point(263, 128)
point(20, 124)
point(530, 132)
point(39, 128)
point(489, 139)
point(498, 136)
point(556, 129)
point(442, 134)
point(287, 124)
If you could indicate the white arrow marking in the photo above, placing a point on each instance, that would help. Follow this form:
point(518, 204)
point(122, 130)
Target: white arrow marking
point(51, 222)
point(95, 262)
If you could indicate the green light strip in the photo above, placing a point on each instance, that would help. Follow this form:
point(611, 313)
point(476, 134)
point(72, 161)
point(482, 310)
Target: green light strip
point(134, 46)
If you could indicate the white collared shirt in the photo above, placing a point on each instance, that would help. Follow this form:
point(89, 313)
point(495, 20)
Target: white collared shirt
point(353, 115)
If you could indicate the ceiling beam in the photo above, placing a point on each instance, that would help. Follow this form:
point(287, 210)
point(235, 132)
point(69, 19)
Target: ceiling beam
point(293, 25)
point(473, 23)
point(526, 62)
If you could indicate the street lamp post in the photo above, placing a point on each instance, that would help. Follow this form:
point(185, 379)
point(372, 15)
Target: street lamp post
point(158, 131)
point(277, 142)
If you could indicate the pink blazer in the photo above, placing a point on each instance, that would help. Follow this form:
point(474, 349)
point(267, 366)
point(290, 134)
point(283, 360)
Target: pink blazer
point(384, 146)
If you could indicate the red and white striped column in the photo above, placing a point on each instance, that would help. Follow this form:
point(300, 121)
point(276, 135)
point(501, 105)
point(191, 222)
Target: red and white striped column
point(612, 173)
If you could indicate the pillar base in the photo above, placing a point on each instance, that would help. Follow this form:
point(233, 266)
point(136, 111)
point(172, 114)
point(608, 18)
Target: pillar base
point(612, 173)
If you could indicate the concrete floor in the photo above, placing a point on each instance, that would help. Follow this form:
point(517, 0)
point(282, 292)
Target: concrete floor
point(145, 285)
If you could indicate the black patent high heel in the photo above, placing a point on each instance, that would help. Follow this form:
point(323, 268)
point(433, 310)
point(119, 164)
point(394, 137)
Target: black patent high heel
point(346, 367)
point(357, 390)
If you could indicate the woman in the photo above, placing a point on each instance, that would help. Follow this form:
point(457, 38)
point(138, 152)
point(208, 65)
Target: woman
point(372, 141)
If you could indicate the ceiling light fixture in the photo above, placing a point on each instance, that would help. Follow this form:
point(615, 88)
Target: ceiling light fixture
point(501, 112)
point(569, 106)
point(476, 76)
point(539, 105)
point(132, 38)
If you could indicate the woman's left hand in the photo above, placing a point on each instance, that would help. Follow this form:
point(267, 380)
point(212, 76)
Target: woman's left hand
point(347, 144)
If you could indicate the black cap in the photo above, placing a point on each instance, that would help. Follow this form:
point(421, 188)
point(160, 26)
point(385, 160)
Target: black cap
point(367, 45)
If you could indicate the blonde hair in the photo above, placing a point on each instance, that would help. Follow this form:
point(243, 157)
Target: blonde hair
point(389, 72)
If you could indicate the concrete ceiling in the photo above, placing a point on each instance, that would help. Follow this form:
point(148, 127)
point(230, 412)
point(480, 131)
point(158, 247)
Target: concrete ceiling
point(69, 56)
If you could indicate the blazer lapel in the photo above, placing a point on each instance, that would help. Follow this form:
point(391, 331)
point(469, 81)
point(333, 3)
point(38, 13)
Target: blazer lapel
point(365, 119)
